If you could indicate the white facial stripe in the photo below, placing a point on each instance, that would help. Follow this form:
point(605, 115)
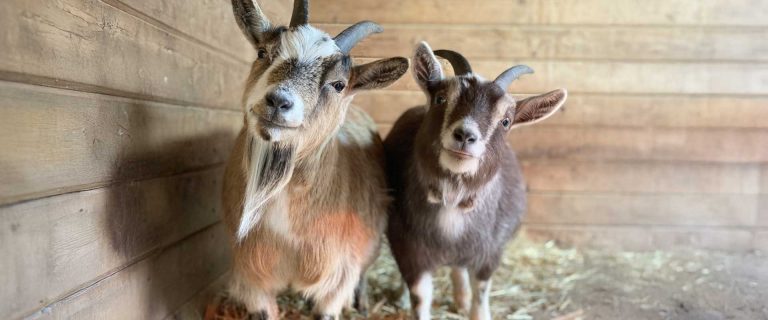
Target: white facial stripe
point(499, 112)
point(451, 100)
point(307, 44)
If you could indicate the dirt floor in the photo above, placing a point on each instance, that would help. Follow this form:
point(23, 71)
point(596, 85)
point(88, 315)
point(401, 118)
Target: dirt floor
point(542, 281)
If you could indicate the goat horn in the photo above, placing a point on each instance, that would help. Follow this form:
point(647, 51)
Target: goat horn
point(300, 15)
point(511, 74)
point(458, 62)
point(348, 38)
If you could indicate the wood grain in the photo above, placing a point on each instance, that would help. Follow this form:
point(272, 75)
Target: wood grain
point(611, 110)
point(95, 47)
point(210, 22)
point(154, 287)
point(634, 238)
point(64, 141)
point(636, 177)
point(732, 210)
point(621, 43)
point(641, 144)
point(537, 12)
point(59, 245)
point(624, 77)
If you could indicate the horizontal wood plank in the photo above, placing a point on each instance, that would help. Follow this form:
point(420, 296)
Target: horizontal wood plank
point(635, 144)
point(63, 141)
point(195, 308)
point(622, 12)
point(210, 22)
point(623, 77)
point(635, 238)
point(57, 245)
point(154, 287)
point(638, 144)
point(627, 110)
point(632, 177)
point(499, 42)
point(733, 210)
point(93, 45)
point(761, 240)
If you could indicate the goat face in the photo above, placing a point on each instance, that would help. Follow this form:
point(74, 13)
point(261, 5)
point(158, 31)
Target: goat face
point(302, 79)
point(468, 117)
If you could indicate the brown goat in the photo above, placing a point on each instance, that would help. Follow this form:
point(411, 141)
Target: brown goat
point(459, 192)
point(304, 190)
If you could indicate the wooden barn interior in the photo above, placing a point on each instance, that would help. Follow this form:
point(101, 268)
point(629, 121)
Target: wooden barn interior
point(117, 116)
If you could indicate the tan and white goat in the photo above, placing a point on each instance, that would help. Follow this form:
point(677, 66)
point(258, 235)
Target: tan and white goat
point(304, 190)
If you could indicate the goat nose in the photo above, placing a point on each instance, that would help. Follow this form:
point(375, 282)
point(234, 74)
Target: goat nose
point(464, 136)
point(278, 102)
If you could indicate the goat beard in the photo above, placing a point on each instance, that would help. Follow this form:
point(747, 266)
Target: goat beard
point(268, 167)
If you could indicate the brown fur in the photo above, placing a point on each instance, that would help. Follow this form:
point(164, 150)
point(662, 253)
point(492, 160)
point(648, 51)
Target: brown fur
point(444, 214)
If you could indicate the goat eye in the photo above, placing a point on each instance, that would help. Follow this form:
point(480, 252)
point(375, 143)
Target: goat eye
point(262, 53)
point(439, 100)
point(506, 122)
point(338, 86)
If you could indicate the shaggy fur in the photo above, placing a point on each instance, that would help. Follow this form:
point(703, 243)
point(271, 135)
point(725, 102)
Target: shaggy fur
point(451, 210)
point(304, 190)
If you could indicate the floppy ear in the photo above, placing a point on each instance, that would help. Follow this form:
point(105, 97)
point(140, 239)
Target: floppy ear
point(534, 109)
point(377, 74)
point(426, 68)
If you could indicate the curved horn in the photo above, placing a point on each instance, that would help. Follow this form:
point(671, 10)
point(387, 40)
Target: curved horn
point(300, 15)
point(348, 38)
point(511, 74)
point(250, 19)
point(458, 62)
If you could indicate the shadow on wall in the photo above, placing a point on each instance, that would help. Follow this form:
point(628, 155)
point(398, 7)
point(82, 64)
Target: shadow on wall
point(166, 225)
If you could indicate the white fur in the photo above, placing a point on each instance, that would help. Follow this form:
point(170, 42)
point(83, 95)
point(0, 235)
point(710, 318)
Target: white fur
point(451, 222)
point(423, 290)
point(481, 309)
point(256, 199)
point(254, 299)
point(276, 217)
point(306, 43)
point(462, 166)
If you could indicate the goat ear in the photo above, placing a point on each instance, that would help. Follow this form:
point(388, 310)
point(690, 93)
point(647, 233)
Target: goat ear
point(426, 68)
point(534, 109)
point(377, 74)
point(251, 20)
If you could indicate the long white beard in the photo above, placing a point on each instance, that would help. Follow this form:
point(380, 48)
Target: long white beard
point(269, 167)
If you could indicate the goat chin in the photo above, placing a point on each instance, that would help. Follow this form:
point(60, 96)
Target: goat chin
point(268, 166)
point(458, 166)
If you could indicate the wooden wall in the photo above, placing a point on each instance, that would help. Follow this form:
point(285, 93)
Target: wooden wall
point(664, 139)
point(116, 117)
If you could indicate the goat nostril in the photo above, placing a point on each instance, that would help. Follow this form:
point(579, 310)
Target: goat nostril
point(458, 136)
point(471, 139)
point(285, 106)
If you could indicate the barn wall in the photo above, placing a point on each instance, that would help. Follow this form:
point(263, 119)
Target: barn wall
point(664, 139)
point(116, 117)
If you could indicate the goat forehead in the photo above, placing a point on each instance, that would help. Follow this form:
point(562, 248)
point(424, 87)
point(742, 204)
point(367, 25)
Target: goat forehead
point(477, 99)
point(306, 44)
